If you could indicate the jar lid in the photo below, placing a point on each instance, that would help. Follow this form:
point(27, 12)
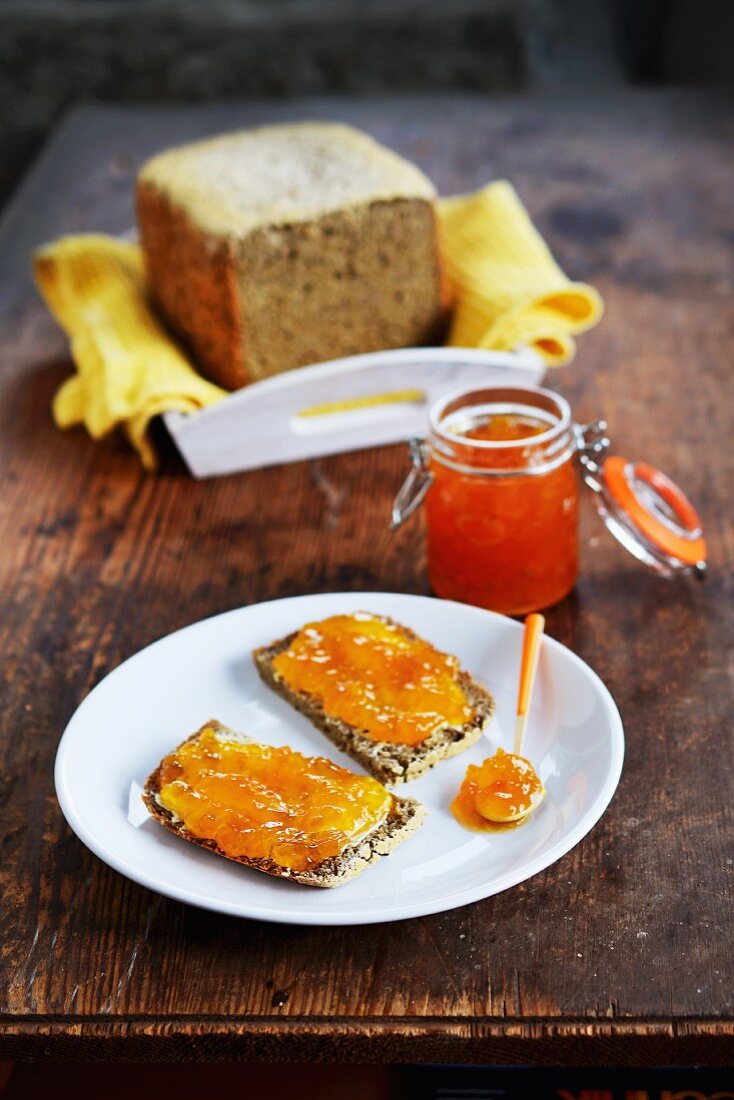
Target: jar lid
point(645, 511)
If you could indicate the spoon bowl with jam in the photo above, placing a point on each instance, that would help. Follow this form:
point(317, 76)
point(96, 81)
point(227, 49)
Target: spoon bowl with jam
point(503, 791)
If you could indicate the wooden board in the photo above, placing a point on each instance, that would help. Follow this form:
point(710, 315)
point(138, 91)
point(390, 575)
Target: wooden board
point(621, 952)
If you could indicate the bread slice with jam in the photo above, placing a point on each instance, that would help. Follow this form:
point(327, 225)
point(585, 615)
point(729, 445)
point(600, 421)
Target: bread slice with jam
point(390, 759)
point(399, 818)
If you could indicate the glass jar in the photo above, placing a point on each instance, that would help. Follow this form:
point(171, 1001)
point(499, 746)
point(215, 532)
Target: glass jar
point(503, 506)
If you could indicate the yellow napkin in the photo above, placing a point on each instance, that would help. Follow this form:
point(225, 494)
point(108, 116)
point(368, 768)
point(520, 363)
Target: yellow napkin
point(128, 367)
point(507, 290)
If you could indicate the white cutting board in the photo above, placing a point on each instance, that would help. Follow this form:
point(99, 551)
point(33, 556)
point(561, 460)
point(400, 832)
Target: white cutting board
point(277, 420)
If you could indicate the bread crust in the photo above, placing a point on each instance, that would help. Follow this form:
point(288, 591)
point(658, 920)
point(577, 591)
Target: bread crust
point(191, 279)
point(405, 816)
point(392, 763)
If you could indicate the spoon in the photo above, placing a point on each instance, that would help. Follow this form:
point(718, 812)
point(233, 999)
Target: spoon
point(517, 790)
point(534, 627)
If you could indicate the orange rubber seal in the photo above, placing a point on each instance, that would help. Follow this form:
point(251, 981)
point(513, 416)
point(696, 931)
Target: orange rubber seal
point(689, 550)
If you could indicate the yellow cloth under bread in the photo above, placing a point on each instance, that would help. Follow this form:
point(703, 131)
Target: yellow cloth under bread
point(506, 287)
point(128, 367)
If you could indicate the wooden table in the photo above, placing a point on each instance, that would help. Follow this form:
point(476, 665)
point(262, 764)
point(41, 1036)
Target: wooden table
point(619, 953)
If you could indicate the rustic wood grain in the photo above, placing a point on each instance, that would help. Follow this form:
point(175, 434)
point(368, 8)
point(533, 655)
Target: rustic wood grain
point(621, 951)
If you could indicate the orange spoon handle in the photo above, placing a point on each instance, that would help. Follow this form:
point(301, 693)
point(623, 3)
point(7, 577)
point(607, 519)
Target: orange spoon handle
point(534, 627)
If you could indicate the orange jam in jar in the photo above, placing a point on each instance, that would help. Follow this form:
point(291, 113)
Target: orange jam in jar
point(376, 676)
point(270, 803)
point(502, 509)
point(504, 428)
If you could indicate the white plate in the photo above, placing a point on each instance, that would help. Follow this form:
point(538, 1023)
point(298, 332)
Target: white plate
point(153, 701)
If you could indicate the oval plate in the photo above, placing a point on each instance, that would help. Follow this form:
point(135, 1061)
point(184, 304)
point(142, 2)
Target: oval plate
point(150, 703)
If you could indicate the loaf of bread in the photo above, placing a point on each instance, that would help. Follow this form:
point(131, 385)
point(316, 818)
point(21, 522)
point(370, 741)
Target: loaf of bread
point(288, 245)
point(405, 815)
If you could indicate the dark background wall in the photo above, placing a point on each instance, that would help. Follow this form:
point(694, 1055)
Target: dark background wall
point(54, 53)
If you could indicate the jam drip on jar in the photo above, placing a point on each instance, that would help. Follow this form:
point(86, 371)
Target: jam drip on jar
point(504, 786)
point(263, 802)
point(375, 676)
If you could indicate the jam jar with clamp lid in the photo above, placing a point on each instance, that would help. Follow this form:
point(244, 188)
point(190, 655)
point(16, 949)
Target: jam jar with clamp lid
point(499, 474)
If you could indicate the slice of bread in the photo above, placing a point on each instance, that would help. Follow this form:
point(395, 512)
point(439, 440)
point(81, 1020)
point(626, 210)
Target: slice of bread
point(406, 814)
point(287, 245)
point(388, 761)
